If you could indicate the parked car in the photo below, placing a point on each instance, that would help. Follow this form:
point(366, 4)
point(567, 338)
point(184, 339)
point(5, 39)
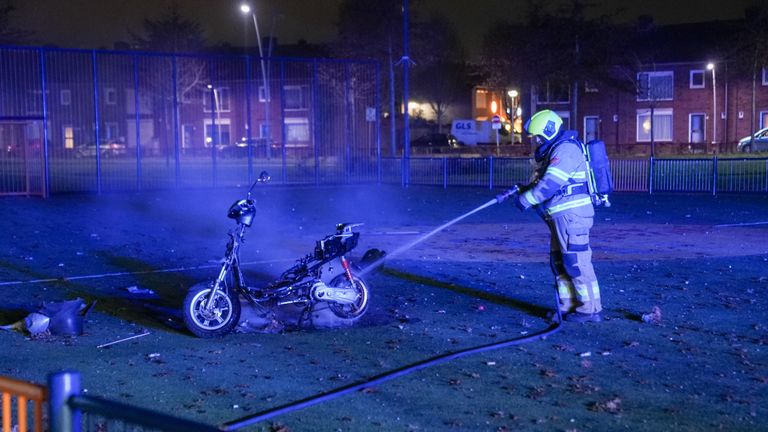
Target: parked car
point(107, 149)
point(436, 140)
point(240, 149)
point(760, 143)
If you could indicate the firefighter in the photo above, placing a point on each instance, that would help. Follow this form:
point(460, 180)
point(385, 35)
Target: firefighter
point(559, 193)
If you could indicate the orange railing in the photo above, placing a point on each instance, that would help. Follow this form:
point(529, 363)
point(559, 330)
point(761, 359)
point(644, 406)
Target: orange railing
point(24, 393)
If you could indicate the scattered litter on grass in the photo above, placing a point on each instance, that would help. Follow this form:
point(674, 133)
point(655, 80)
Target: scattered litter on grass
point(654, 317)
point(612, 406)
point(143, 292)
point(122, 340)
point(585, 354)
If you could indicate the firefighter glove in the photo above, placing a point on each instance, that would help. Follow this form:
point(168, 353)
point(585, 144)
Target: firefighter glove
point(520, 202)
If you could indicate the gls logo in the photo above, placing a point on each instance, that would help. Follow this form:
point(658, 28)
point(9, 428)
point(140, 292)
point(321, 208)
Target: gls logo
point(465, 125)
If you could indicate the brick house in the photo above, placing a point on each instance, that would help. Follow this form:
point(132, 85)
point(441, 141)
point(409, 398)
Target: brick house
point(701, 103)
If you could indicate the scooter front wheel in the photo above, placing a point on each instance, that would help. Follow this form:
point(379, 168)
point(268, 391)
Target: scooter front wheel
point(210, 322)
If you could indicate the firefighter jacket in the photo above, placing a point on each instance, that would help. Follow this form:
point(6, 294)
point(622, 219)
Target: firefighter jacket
point(559, 184)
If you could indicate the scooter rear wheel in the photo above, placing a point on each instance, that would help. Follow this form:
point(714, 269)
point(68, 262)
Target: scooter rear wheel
point(216, 321)
point(351, 312)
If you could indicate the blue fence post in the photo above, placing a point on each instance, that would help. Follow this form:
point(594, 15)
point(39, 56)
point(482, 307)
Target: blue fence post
point(315, 122)
point(490, 172)
point(445, 173)
point(650, 175)
point(44, 105)
point(136, 102)
point(61, 386)
point(248, 129)
point(176, 121)
point(378, 123)
point(282, 121)
point(96, 118)
point(347, 125)
point(714, 175)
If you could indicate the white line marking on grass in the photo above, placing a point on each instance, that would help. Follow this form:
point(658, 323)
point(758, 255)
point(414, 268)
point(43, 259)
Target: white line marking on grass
point(104, 275)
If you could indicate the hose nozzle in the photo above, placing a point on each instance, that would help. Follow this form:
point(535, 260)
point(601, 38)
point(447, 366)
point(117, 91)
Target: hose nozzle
point(514, 190)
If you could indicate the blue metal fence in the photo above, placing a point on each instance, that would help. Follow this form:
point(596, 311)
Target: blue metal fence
point(93, 121)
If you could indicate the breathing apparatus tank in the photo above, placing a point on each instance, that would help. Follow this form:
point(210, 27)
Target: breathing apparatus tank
point(600, 181)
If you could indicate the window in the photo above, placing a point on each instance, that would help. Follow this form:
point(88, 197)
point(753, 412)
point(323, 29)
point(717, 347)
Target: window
point(66, 97)
point(263, 94)
point(263, 130)
point(763, 119)
point(765, 76)
point(696, 128)
point(553, 92)
point(220, 96)
point(296, 130)
point(653, 86)
point(110, 96)
point(481, 98)
point(591, 128)
point(697, 79)
point(188, 131)
point(662, 125)
point(34, 102)
point(111, 130)
point(295, 97)
point(218, 132)
point(68, 132)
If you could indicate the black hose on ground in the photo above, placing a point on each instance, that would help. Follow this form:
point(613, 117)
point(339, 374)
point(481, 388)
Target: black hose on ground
point(382, 378)
point(405, 370)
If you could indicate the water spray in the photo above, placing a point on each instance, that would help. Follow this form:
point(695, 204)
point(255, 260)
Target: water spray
point(413, 243)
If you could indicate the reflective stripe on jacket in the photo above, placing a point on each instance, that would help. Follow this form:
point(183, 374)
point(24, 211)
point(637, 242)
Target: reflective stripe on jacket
point(563, 170)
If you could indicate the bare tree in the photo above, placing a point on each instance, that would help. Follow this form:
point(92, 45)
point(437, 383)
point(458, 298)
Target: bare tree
point(173, 34)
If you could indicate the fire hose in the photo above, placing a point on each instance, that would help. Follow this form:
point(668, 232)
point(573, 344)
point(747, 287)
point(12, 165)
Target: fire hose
point(405, 370)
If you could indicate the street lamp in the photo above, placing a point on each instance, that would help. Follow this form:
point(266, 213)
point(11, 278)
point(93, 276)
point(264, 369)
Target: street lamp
point(711, 66)
point(245, 8)
point(217, 118)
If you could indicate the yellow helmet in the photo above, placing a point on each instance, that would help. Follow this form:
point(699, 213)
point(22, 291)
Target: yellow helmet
point(545, 123)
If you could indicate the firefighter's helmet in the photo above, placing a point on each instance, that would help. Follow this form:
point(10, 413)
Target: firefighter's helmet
point(544, 123)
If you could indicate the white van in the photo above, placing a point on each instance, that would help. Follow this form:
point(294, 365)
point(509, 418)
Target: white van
point(473, 132)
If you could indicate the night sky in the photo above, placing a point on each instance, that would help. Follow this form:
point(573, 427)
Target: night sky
point(99, 23)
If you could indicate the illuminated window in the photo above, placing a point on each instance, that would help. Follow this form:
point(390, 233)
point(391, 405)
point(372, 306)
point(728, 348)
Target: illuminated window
point(654, 86)
point(765, 76)
point(296, 130)
point(69, 137)
point(662, 125)
point(220, 132)
point(697, 79)
point(481, 100)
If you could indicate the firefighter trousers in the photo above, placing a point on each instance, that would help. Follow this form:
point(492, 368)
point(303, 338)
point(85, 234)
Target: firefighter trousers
point(571, 261)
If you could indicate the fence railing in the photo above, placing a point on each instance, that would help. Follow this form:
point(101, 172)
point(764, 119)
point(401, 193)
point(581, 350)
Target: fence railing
point(15, 417)
point(715, 175)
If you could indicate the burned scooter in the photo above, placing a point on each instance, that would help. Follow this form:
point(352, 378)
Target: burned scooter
point(324, 277)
